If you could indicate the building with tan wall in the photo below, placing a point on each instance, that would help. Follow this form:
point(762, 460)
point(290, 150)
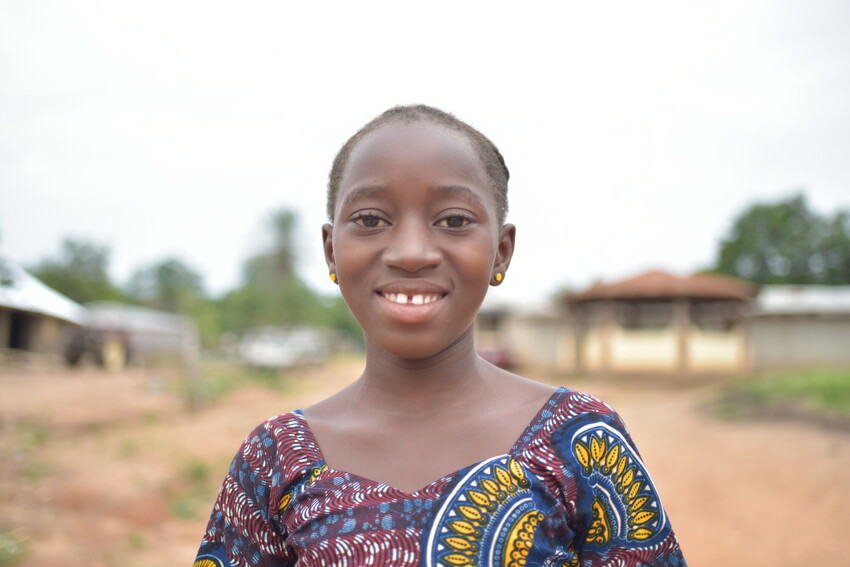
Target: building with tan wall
point(659, 323)
point(662, 323)
point(795, 326)
point(35, 320)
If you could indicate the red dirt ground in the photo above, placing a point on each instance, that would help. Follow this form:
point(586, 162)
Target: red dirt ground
point(99, 470)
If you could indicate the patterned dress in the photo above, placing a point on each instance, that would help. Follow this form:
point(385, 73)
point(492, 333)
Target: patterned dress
point(572, 491)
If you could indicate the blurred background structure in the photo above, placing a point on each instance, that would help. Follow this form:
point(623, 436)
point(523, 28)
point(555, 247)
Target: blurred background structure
point(34, 318)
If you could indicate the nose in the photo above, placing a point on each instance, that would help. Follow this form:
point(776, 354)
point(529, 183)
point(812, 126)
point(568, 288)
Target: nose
point(412, 248)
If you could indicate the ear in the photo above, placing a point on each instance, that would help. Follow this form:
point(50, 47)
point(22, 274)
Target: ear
point(327, 244)
point(504, 250)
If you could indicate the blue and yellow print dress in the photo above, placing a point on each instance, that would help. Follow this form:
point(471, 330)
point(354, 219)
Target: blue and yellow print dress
point(572, 491)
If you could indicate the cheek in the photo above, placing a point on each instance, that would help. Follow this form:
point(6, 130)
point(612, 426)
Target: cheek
point(477, 262)
point(352, 262)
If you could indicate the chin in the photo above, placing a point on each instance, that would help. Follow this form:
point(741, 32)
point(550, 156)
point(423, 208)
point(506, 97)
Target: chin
point(420, 348)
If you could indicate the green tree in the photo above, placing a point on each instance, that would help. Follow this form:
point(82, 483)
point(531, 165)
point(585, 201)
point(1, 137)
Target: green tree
point(169, 285)
point(81, 272)
point(272, 293)
point(283, 224)
point(787, 243)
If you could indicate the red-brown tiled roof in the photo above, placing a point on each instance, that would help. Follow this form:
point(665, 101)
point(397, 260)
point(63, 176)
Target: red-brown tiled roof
point(661, 285)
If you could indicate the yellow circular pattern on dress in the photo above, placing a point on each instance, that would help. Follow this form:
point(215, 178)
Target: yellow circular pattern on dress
point(600, 451)
point(470, 522)
point(520, 539)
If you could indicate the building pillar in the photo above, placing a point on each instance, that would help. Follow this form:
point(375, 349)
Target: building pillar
point(566, 343)
point(606, 326)
point(577, 320)
point(742, 329)
point(682, 326)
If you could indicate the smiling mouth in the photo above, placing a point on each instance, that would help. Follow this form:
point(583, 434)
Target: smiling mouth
point(413, 299)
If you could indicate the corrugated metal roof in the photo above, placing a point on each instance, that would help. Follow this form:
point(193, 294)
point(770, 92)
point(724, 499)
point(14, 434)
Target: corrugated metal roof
point(116, 315)
point(661, 285)
point(22, 291)
point(803, 300)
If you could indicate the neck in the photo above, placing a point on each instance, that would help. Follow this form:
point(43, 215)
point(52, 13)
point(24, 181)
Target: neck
point(418, 386)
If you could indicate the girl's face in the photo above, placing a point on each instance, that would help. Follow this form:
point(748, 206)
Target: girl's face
point(416, 239)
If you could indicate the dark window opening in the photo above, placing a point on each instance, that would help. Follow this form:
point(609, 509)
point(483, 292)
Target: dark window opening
point(18, 325)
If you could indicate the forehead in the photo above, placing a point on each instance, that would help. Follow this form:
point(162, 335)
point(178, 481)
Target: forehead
point(414, 150)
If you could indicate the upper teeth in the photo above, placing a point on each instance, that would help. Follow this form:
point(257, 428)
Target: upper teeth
point(418, 299)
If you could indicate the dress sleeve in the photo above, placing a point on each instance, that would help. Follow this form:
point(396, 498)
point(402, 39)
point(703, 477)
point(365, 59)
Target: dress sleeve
point(618, 516)
point(243, 530)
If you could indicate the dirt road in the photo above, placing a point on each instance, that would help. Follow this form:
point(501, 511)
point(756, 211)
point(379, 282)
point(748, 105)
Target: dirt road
point(101, 470)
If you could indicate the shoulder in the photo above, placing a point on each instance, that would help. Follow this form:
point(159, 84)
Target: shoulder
point(566, 422)
point(581, 437)
point(597, 468)
point(282, 427)
point(567, 408)
point(282, 444)
point(585, 427)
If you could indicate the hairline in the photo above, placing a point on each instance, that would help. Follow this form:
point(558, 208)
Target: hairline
point(485, 150)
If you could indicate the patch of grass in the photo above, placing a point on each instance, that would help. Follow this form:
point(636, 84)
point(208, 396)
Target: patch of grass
point(191, 490)
point(29, 435)
point(220, 379)
point(13, 549)
point(37, 470)
point(128, 449)
point(137, 540)
point(819, 393)
point(183, 507)
point(197, 472)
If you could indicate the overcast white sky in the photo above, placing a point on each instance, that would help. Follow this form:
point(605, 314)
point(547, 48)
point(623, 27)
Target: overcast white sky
point(634, 131)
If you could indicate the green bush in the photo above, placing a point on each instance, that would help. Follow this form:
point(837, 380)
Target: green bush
point(13, 549)
point(821, 392)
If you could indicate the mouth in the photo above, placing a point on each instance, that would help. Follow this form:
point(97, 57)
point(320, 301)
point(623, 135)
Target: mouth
point(412, 298)
point(410, 293)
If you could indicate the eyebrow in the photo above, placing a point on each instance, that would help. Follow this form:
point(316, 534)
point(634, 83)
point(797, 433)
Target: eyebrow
point(459, 191)
point(362, 193)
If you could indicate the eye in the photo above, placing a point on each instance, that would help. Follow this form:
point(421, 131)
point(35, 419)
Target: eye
point(454, 221)
point(368, 220)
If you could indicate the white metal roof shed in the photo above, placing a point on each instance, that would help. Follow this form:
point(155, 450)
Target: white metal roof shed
point(803, 300)
point(22, 291)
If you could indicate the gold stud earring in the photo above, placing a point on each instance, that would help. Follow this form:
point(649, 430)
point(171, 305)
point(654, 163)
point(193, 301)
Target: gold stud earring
point(498, 276)
point(333, 277)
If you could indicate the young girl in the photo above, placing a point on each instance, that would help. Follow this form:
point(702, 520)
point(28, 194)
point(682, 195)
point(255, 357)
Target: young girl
point(433, 456)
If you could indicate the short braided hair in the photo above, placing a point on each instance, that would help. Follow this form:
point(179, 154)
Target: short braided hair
point(488, 153)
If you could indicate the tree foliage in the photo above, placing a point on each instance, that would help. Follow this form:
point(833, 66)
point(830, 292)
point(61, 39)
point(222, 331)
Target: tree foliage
point(787, 243)
point(272, 292)
point(81, 272)
point(169, 285)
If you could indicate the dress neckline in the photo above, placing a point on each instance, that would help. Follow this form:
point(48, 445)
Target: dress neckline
point(432, 488)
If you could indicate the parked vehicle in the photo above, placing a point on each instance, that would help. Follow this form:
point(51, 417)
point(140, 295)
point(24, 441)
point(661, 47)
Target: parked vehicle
point(284, 347)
